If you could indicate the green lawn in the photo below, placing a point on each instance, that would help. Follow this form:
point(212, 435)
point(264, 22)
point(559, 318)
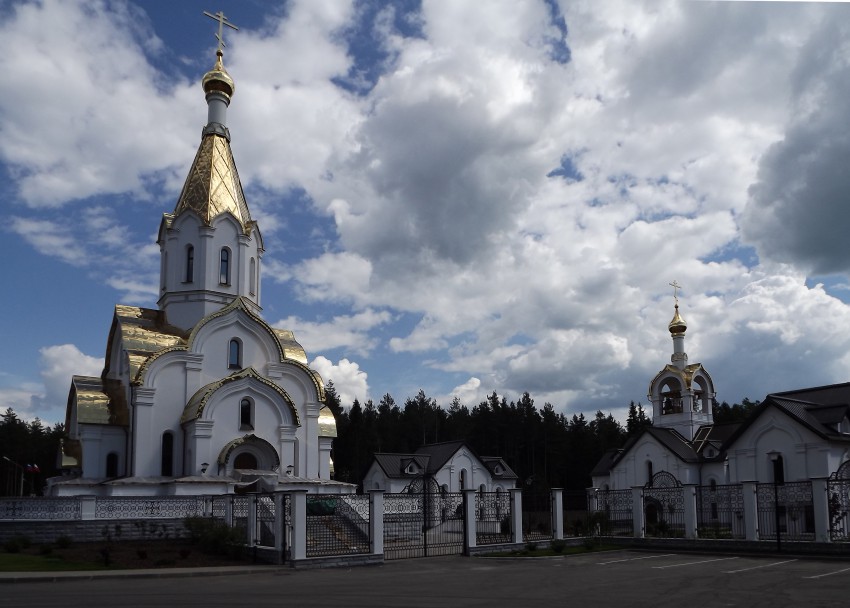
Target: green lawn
point(23, 562)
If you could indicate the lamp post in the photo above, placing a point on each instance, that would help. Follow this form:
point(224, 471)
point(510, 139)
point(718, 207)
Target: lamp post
point(7, 459)
point(776, 459)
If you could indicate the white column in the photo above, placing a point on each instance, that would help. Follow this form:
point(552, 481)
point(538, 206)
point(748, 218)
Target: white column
point(516, 511)
point(637, 511)
point(820, 504)
point(557, 513)
point(751, 514)
point(689, 495)
point(298, 507)
point(376, 521)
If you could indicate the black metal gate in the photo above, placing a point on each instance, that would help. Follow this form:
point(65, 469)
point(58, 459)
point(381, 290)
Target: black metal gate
point(423, 521)
point(664, 506)
point(838, 497)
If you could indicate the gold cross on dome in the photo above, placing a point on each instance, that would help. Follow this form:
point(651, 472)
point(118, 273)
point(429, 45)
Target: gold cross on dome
point(676, 287)
point(222, 21)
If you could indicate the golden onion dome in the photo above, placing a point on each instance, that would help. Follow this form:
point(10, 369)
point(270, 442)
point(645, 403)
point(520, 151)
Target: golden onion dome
point(218, 80)
point(677, 325)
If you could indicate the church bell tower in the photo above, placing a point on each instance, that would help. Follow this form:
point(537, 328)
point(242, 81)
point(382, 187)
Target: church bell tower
point(682, 395)
point(210, 247)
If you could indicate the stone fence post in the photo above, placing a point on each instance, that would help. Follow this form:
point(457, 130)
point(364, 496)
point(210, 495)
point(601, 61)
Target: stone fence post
point(689, 495)
point(376, 521)
point(298, 509)
point(516, 512)
point(637, 511)
point(557, 513)
point(820, 505)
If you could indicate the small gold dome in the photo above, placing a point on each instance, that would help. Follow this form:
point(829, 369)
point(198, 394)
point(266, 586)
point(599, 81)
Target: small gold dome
point(217, 79)
point(677, 325)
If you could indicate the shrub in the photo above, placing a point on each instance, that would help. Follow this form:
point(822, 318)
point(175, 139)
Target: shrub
point(558, 545)
point(531, 547)
point(17, 544)
point(45, 550)
point(141, 553)
point(63, 542)
point(214, 537)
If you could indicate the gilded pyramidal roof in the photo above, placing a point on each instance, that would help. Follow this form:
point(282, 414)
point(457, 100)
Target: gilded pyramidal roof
point(212, 186)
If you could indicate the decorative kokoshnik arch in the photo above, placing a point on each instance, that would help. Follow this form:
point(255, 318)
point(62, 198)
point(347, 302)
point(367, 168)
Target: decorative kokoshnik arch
point(254, 445)
point(195, 407)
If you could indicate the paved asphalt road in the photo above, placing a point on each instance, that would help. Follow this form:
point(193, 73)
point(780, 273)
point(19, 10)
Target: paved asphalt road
point(620, 578)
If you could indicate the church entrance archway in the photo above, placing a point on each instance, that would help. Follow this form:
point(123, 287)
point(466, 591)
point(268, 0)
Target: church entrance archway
point(245, 460)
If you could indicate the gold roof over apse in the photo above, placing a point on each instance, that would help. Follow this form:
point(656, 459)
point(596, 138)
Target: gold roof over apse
point(144, 332)
point(213, 187)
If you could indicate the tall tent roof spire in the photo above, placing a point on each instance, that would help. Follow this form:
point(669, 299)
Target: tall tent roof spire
point(212, 186)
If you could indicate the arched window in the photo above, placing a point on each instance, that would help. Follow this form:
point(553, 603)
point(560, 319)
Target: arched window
point(234, 354)
point(778, 468)
point(112, 464)
point(190, 264)
point(167, 456)
point(224, 267)
point(648, 471)
point(253, 277)
point(712, 484)
point(246, 415)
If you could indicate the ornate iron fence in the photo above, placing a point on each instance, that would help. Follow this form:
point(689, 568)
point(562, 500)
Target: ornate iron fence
point(493, 518)
point(664, 506)
point(264, 530)
point(613, 515)
point(57, 509)
point(788, 504)
point(165, 507)
point(838, 499)
point(720, 511)
point(422, 524)
point(333, 529)
point(536, 516)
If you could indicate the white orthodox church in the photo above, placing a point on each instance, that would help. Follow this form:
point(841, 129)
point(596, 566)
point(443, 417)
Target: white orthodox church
point(201, 395)
point(791, 436)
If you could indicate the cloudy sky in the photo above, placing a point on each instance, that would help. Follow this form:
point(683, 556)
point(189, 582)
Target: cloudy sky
point(456, 196)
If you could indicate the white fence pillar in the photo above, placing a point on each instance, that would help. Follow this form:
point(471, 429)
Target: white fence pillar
point(516, 513)
point(298, 513)
point(637, 511)
point(557, 513)
point(751, 512)
point(689, 496)
point(87, 507)
point(376, 521)
point(470, 522)
point(820, 505)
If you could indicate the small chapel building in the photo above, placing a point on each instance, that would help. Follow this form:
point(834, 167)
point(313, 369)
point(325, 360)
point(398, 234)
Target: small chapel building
point(791, 436)
point(450, 466)
point(201, 395)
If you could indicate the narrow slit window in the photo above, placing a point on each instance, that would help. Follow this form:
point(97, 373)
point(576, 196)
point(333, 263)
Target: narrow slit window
point(224, 267)
point(190, 264)
point(246, 415)
point(253, 277)
point(234, 356)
